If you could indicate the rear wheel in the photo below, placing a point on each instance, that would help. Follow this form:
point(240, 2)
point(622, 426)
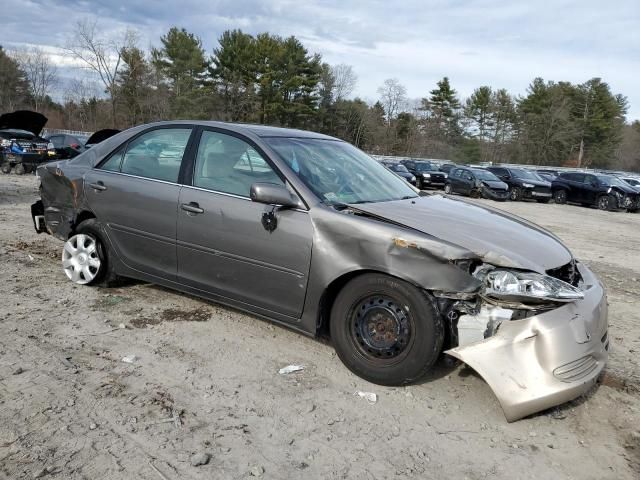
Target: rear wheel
point(386, 330)
point(85, 256)
point(560, 197)
point(515, 194)
point(19, 169)
point(6, 168)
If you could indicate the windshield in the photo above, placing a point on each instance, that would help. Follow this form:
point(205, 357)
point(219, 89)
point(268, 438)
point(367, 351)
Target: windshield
point(425, 167)
point(338, 172)
point(399, 168)
point(485, 175)
point(633, 182)
point(524, 174)
point(611, 181)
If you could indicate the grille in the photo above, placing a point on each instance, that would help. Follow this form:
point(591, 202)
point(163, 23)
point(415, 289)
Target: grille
point(567, 273)
point(576, 370)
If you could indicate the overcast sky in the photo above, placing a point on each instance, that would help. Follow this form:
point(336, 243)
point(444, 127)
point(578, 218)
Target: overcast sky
point(476, 42)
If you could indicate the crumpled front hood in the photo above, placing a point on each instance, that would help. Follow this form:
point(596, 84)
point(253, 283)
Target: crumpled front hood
point(495, 236)
point(497, 184)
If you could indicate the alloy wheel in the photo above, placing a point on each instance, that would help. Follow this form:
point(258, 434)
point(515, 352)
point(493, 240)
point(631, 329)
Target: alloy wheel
point(603, 203)
point(80, 259)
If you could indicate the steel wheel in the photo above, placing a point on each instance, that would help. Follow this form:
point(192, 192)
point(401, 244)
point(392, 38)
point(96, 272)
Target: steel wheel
point(380, 328)
point(80, 259)
point(515, 194)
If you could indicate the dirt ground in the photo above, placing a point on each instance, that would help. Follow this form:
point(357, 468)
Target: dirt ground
point(205, 387)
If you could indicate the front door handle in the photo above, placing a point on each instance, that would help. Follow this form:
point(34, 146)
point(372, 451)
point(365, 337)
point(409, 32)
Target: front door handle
point(98, 186)
point(192, 207)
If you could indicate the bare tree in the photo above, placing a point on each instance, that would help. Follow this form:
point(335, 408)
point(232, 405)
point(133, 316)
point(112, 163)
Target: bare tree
point(345, 80)
point(393, 96)
point(40, 72)
point(100, 54)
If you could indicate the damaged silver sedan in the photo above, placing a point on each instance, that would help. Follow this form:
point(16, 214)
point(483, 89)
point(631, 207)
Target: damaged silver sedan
point(310, 232)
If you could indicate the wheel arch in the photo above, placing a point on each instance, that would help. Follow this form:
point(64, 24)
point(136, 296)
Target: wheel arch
point(332, 290)
point(80, 217)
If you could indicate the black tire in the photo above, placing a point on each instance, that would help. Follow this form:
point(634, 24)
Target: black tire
point(419, 183)
point(6, 168)
point(394, 303)
point(106, 276)
point(605, 202)
point(515, 194)
point(560, 197)
point(19, 169)
point(543, 200)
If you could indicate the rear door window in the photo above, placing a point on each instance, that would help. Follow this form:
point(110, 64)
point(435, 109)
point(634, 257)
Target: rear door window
point(156, 154)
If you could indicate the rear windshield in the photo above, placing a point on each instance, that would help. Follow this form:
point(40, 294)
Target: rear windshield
point(524, 174)
point(425, 167)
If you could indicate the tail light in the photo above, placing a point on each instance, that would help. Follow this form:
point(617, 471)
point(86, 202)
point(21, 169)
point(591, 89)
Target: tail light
point(75, 145)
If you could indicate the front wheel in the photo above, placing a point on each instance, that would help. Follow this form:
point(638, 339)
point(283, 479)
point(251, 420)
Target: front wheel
point(386, 330)
point(447, 189)
point(515, 194)
point(6, 168)
point(605, 202)
point(19, 169)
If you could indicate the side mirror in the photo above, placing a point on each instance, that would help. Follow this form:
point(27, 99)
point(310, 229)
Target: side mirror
point(272, 194)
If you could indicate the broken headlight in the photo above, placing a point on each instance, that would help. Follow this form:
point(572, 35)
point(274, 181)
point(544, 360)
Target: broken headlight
point(527, 286)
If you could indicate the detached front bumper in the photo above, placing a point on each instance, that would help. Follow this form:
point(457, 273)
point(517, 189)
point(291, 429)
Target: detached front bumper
point(545, 360)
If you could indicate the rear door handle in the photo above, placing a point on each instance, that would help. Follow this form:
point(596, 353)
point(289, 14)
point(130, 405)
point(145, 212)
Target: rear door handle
point(192, 207)
point(98, 186)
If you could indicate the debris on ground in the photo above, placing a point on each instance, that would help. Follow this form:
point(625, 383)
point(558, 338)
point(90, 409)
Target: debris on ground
point(257, 471)
point(290, 369)
point(200, 458)
point(369, 396)
point(130, 359)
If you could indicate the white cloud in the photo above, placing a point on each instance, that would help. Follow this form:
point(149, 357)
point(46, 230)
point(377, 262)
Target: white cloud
point(502, 43)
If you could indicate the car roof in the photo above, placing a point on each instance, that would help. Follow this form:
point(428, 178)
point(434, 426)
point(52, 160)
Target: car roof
point(263, 131)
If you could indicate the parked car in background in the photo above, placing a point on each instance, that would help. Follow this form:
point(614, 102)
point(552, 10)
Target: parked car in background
point(446, 167)
point(546, 176)
point(67, 146)
point(427, 173)
point(100, 136)
point(634, 182)
point(21, 147)
point(476, 182)
point(400, 170)
point(589, 189)
point(523, 184)
point(308, 231)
